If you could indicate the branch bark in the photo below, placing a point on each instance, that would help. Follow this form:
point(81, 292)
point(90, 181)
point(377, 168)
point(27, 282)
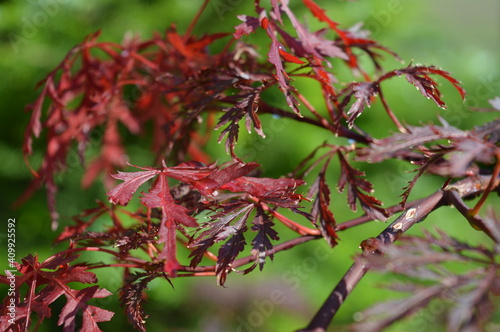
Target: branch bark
point(466, 188)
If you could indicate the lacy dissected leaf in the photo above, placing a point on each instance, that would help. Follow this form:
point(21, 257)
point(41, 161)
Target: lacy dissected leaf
point(274, 57)
point(424, 146)
point(419, 77)
point(160, 197)
point(46, 282)
point(279, 192)
point(189, 47)
point(364, 93)
point(204, 178)
point(219, 229)
point(122, 193)
point(468, 150)
point(246, 107)
point(249, 25)
point(402, 145)
point(76, 302)
point(132, 298)
point(356, 188)
point(172, 214)
point(420, 171)
point(314, 47)
point(262, 246)
point(230, 250)
point(320, 14)
point(213, 179)
point(321, 213)
point(466, 296)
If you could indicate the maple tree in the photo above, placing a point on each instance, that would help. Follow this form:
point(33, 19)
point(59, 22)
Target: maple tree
point(226, 214)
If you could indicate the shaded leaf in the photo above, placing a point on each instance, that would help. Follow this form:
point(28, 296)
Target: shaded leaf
point(364, 93)
point(249, 25)
point(132, 298)
point(218, 230)
point(262, 246)
point(321, 213)
point(356, 186)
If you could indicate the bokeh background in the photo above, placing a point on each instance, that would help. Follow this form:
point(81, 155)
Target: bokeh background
point(460, 36)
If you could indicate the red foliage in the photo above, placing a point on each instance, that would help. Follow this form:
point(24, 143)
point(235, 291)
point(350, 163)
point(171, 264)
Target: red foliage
point(46, 282)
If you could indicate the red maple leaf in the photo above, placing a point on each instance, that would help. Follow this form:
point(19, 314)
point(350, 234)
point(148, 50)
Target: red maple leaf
point(46, 282)
point(206, 179)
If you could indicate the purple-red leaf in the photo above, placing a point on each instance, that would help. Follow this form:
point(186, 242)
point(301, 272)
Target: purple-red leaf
point(356, 186)
point(262, 246)
point(322, 216)
point(279, 192)
point(77, 301)
point(363, 92)
point(249, 25)
point(122, 193)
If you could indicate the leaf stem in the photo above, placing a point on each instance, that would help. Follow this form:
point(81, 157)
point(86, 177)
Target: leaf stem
point(196, 18)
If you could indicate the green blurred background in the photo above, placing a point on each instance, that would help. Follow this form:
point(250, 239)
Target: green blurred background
point(459, 36)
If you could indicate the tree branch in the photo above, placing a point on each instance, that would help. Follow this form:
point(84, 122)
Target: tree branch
point(245, 260)
point(466, 188)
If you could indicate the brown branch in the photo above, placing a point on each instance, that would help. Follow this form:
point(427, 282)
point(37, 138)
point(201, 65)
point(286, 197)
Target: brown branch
point(364, 218)
point(391, 114)
point(341, 131)
point(248, 259)
point(466, 188)
point(477, 223)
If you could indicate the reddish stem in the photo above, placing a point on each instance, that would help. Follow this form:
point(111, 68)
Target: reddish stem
point(196, 18)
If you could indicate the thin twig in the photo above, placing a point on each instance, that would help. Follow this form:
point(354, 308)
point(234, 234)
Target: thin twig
point(391, 114)
point(248, 259)
point(196, 18)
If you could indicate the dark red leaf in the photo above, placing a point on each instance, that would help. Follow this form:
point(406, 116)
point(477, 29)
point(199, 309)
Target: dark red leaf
point(132, 298)
point(279, 192)
point(122, 193)
point(319, 13)
point(364, 93)
point(230, 250)
point(220, 177)
point(77, 301)
point(262, 246)
point(356, 186)
point(322, 216)
point(419, 77)
point(249, 25)
point(281, 74)
point(46, 282)
point(218, 230)
point(246, 107)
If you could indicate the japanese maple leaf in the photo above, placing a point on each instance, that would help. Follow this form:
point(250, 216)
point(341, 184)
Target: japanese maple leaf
point(77, 301)
point(279, 192)
point(49, 280)
point(206, 179)
point(357, 189)
point(160, 197)
point(322, 215)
